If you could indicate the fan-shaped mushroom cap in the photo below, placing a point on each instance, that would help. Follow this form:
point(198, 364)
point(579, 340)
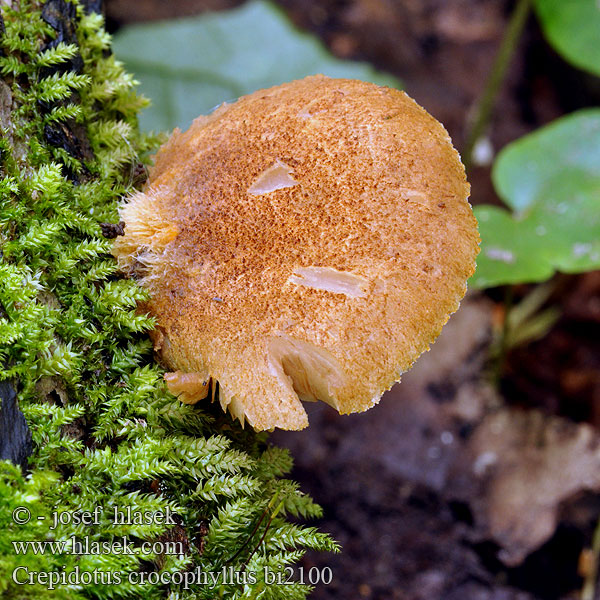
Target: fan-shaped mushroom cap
point(306, 242)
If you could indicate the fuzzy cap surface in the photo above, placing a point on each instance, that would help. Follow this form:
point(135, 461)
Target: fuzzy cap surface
point(307, 242)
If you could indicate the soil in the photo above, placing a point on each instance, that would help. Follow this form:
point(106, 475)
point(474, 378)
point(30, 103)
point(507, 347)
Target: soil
point(401, 486)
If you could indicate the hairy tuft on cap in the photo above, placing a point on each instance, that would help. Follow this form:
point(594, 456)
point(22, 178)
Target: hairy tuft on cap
point(307, 242)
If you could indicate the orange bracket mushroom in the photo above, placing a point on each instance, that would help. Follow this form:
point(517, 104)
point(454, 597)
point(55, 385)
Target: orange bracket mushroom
point(307, 242)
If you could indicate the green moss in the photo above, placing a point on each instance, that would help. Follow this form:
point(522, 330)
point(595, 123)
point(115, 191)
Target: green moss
point(106, 432)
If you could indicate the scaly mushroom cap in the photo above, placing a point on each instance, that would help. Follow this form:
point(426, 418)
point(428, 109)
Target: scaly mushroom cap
point(306, 242)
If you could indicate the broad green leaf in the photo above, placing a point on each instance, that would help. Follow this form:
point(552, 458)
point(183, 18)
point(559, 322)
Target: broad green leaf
point(573, 28)
point(187, 67)
point(551, 179)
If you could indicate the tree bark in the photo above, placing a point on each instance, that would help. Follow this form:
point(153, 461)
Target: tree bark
point(15, 436)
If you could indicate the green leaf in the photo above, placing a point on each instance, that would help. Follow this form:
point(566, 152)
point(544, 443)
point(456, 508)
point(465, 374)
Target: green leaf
point(190, 66)
point(551, 180)
point(573, 29)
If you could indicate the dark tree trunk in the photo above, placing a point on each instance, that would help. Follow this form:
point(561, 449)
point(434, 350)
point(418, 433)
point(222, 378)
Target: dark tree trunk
point(15, 437)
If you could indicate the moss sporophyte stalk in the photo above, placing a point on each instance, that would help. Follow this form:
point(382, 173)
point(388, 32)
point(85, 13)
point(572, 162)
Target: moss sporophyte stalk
point(104, 430)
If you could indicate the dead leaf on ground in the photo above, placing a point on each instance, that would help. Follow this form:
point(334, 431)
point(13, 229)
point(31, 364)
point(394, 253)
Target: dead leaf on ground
point(516, 470)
